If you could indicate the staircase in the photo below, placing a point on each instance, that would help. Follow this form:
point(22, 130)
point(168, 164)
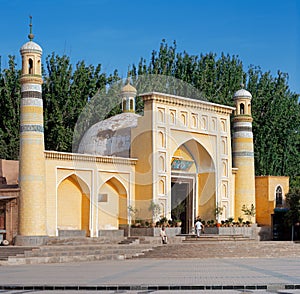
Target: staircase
point(6, 251)
point(224, 247)
point(92, 249)
point(60, 250)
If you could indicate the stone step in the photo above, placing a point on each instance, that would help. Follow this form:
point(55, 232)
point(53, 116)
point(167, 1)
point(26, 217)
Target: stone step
point(73, 253)
point(130, 240)
point(92, 256)
point(214, 237)
point(6, 251)
point(225, 249)
point(83, 240)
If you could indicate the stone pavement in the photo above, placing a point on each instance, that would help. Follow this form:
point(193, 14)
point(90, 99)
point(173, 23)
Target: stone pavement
point(208, 275)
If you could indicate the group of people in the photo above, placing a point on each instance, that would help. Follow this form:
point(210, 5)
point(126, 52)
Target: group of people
point(199, 228)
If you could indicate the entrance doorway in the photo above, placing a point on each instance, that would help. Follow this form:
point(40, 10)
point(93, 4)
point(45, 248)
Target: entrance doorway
point(182, 202)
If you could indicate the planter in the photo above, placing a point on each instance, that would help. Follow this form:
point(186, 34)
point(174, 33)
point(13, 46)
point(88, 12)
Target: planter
point(178, 224)
point(154, 232)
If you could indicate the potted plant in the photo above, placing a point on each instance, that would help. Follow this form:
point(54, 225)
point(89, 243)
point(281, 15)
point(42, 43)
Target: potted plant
point(218, 212)
point(132, 214)
point(176, 212)
point(230, 221)
point(163, 221)
point(249, 212)
point(240, 221)
point(155, 210)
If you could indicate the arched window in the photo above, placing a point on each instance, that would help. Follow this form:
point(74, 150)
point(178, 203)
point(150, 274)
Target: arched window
point(160, 116)
point(194, 121)
point(279, 196)
point(131, 104)
point(249, 108)
point(161, 187)
point(242, 108)
point(183, 119)
point(161, 139)
point(172, 117)
point(124, 105)
point(30, 66)
point(161, 166)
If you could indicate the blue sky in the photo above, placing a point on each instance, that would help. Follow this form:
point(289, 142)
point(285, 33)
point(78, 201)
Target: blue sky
point(117, 33)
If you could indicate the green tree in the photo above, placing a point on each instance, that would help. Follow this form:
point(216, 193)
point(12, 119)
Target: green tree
point(276, 124)
point(275, 109)
point(293, 202)
point(65, 93)
point(10, 95)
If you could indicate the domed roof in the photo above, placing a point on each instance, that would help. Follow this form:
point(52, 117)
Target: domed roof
point(110, 137)
point(128, 87)
point(242, 93)
point(31, 47)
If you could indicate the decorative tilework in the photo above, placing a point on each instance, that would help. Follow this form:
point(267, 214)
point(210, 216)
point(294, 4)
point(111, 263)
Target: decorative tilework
point(31, 94)
point(31, 87)
point(242, 129)
point(243, 135)
point(31, 102)
point(32, 128)
point(243, 154)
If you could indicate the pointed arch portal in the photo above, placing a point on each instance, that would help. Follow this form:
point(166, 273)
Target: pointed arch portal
point(193, 184)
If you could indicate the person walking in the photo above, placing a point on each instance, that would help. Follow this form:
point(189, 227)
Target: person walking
point(198, 227)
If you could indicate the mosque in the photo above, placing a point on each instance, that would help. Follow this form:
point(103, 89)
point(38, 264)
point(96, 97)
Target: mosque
point(181, 152)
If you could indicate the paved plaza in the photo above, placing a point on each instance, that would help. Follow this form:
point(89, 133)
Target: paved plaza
point(227, 275)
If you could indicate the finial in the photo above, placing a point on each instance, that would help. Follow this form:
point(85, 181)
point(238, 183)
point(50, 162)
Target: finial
point(31, 35)
point(128, 77)
point(242, 82)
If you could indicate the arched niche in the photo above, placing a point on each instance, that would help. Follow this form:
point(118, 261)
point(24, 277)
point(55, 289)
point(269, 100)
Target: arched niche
point(112, 204)
point(73, 204)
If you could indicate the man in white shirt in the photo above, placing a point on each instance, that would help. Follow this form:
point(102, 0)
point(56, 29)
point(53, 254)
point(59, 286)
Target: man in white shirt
point(198, 227)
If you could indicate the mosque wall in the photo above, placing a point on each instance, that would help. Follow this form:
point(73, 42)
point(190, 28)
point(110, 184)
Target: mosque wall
point(203, 131)
point(265, 192)
point(86, 192)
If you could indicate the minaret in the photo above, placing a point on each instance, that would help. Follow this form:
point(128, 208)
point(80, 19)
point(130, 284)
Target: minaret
point(128, 94)
point(243, 153)
point(32, 207)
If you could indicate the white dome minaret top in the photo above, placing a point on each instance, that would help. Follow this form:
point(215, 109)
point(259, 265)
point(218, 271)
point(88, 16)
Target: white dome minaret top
point(128, 94)
point(31, 54)
point(242, 99)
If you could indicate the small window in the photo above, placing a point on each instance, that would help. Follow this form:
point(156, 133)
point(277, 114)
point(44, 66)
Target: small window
point(242, 108)
point(279, 197)
point(30, 66)
point(131, 104)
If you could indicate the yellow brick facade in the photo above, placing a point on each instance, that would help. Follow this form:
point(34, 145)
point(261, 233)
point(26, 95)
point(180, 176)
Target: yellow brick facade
point(180, 152)
point(265, 191)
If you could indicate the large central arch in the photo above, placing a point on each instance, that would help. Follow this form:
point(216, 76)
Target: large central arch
point(193, 184)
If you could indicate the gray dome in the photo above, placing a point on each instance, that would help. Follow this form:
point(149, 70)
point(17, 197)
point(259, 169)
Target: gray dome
point(110, 137)
point(31, 47)
point(242, 93)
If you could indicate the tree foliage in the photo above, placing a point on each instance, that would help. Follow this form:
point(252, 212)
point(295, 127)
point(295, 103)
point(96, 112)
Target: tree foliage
point(293, 202)
point(275, 109)
point(68, 88)
point(10, 95)
point(65, 93)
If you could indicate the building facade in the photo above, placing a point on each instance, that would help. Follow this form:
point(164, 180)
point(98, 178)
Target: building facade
point(177, 154)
